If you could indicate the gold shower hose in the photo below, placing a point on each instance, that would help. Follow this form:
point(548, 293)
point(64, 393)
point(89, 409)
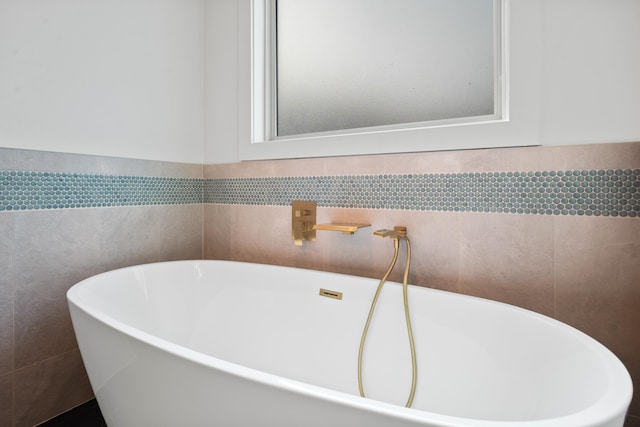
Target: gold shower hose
point(414, 369)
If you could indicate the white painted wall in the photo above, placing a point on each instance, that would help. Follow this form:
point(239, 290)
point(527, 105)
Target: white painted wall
point(221, 84)
point(126, 78)
point(586, 66)
point(104, 77)
point(591, 71)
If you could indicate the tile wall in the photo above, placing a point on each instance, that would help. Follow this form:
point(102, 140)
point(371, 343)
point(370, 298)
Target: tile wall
point(551, 229)
point(63, 218)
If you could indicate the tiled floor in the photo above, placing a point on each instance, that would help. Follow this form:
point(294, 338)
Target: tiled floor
point(86, 415)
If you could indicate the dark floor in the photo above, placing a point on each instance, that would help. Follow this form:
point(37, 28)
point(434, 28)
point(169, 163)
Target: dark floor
point(89, 415)
point(86, 415)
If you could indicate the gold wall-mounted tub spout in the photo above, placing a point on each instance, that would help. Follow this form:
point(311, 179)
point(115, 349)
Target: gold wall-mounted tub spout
point(345, 228)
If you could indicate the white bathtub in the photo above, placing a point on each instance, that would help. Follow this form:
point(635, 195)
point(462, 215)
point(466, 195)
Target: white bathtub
point(217, 343)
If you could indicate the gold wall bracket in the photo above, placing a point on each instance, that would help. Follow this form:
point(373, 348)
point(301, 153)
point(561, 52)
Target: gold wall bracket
point(303, 218)
point(399, 232)
point(345, 228)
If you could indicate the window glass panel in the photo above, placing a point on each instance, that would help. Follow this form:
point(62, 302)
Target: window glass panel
point(348, 64)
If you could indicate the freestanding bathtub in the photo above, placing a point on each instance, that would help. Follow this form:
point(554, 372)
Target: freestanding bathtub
point(218, 343)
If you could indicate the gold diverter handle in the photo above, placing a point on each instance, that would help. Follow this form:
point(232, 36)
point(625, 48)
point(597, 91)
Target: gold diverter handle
point(303, 218)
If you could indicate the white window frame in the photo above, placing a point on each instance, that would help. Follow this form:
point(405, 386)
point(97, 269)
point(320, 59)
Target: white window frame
point(515, 125)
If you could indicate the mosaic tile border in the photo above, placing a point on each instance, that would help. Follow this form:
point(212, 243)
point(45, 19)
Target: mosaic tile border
point(614, 193)
point(27, 190)
point(610, 192)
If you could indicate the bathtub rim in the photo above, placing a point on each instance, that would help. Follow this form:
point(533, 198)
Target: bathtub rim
point(613, 398)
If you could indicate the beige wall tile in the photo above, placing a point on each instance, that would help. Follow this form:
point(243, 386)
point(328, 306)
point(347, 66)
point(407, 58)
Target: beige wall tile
point(433, 162)
point(330, 166)
point(54, 250)
point(7, 251)
point(57, 249)
point(6, 397)
point(349, 254)
point(252, 169)
point(217, 231)
point(178, 231)
point(356, 165)
point(34, 160)
point(217, 171)
point(597, 156)
point(48, 388)
point(141, 234)
point(7, 158)
point(261, 234)
point(508, 258)
point(240, 170)
point(47, 161)
point(118, 166)
point(526, 159)
point(299, 167)
point(598, 284)
point(127, 236)
point(484, 160)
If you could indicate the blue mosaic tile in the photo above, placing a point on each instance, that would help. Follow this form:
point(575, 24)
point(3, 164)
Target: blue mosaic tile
point(614, 193)
point(21, 190)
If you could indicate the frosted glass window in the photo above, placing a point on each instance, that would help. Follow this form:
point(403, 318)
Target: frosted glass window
point(349, 64)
